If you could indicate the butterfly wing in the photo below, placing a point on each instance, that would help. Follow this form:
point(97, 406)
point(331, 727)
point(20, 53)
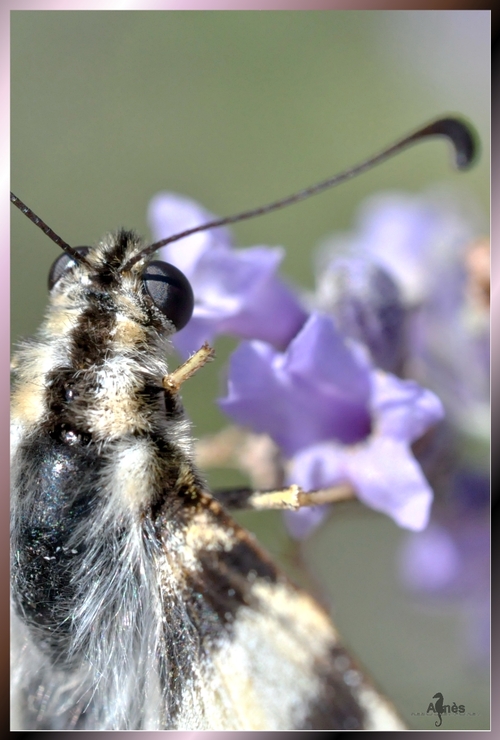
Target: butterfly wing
point(261, 654)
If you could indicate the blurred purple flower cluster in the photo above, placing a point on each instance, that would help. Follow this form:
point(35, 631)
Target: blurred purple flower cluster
point(448, 565)
point(326, 376)
point(434, 327)
point(237, 292)
point(336, 378)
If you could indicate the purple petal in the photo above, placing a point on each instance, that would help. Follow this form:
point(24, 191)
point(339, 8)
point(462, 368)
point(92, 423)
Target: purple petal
point(430, 560)
point(255, 396)
point(319, 466)
point(320, 353)
point(411, 237)
point(328, 382)
point(169, 214)
point(404, 410)
point(236, 292)
point(367, 305)
point(398, 231)
point(382, 471)
point(387, 477)
point(270, 313)
point(303, 395)
point(452, 562)
point(241, 293)
point(444, 331)
point(302, 523)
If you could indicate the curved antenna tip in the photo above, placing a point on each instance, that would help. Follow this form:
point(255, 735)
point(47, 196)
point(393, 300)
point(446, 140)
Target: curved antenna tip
point(463, 137)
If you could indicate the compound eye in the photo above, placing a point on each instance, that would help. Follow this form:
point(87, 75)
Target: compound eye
point(170, 291)
point(62, 263)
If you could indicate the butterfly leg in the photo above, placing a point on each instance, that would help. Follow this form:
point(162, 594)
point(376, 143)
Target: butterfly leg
point(291, 498)
point(173, 381)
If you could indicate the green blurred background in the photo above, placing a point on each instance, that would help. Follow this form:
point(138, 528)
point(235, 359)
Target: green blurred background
point(235, 109)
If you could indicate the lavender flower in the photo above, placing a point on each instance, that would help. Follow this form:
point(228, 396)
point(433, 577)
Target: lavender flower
point(449, 563)
point(336, 418)
point(413, 238)
point(367, 305)
point(403, 290)
point(236, 291)
point(398, 300)
point(318, 396)
point(429, 248)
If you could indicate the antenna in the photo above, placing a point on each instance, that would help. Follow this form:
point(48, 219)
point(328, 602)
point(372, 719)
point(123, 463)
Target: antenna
point(458, 132)
point(47, 230)
point(461, 135)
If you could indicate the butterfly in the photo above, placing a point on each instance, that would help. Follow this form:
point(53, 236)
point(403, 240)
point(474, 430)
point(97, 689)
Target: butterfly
point(138, 602)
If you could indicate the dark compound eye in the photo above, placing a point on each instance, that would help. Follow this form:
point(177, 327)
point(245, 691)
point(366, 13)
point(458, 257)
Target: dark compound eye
point(62, 263)
point(171, 292)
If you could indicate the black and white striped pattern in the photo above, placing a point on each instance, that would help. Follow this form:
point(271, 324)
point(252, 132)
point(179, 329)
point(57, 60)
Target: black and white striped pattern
point(138, 603)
